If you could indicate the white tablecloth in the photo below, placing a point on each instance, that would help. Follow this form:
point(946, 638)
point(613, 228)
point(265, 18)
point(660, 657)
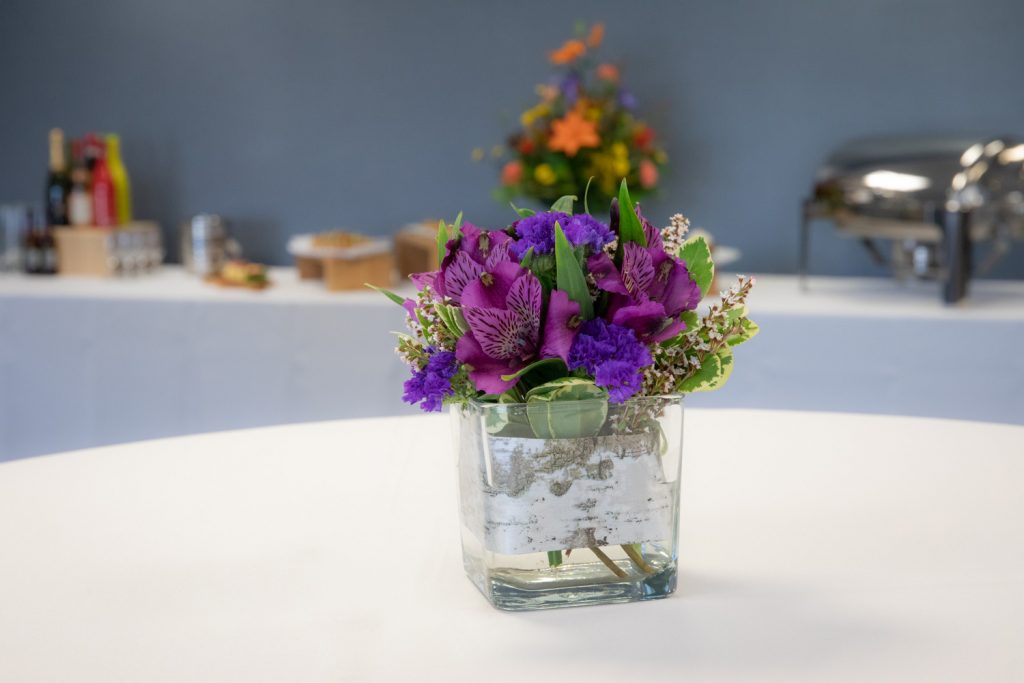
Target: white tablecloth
point(814, 547)
point(91, 362)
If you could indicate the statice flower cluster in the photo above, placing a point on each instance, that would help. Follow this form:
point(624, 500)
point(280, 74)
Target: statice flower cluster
point(612, 355)
point(538, 232)
point(432, 383)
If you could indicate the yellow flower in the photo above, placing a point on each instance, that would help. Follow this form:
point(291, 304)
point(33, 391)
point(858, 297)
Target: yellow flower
point(478, 154)
point(620, 150)
point(621, 166)
point(545, 175)
point(530, 115)
point(497, 151)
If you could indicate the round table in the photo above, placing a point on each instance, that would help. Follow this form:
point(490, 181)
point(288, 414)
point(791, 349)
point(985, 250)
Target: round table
point(814, 547)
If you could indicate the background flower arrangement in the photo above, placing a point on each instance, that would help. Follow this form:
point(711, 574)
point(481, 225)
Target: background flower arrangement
point(583, 126)
point(560, 306)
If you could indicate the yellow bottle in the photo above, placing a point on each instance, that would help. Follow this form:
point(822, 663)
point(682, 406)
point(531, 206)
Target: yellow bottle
point(119, 179)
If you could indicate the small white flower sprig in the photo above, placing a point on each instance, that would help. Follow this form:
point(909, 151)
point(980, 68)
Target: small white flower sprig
point(701, 358)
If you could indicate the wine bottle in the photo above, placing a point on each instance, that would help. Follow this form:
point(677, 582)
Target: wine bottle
point(80, 199)
point(104, 212)
point(58, 181)
point(120, 180)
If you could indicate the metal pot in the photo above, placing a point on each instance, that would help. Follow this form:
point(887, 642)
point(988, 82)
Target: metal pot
point(206, 244)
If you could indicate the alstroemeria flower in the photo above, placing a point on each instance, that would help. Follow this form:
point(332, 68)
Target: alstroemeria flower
point(502, 307)
point(466, 258)
point(561, 326)
point(650, 291)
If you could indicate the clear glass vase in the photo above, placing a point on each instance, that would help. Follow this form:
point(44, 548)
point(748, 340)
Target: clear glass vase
point(569, 503)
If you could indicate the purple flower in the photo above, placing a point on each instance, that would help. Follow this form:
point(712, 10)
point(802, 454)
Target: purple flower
point(538, 231)
point(502, 308)
point(432, 383)
point(584, 229)
point(570, 87)
point(650, 290)
point(612, 355)
point(560, 328)
point(627, 100)
point(466, 258)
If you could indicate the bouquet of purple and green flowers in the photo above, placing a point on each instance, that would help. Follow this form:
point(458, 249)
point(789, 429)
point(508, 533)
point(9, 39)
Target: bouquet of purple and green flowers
point(562, 306)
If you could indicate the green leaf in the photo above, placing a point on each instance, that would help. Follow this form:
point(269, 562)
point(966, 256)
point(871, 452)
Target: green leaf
point(527, 259)
point(567, 408)
point(750, 330)
point(697, 254)
point(569, 275)
point(564, 204)
point(713, 374)
point(691, 319)
point(535, 364)
point(630, 229)
point(457, 227)
point(442, 241)
point(523, 213)
point(447, 315)
point(725, 359)
point(587, 192)
point(703, 378)
point(391, 295)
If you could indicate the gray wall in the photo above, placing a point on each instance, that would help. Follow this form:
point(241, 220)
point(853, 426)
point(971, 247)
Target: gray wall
point(303, 115)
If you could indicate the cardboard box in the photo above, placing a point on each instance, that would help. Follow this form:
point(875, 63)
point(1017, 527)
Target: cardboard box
point(107, 252)
point(416, 250)
point(355, 273)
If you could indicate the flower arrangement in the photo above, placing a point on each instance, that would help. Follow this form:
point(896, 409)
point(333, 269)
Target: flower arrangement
point(583, 127)
point(562, 306)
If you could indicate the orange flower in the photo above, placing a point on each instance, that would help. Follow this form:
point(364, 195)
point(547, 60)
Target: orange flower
point(596, 36)
point(569, 52)
point(572, 132)
point(511, 173)
point(608, 72)
point(648, 174)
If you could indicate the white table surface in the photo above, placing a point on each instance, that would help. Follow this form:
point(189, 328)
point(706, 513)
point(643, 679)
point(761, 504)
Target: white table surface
point(814, 547)
point(86, 362)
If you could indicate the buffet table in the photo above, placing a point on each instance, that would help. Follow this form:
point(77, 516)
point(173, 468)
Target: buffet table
point(93, 362)
point(814, 547)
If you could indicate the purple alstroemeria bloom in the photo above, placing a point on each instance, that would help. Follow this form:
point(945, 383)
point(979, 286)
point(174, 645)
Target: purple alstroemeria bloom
point(432, 383)
point(538, 232)
point(650, 291)
point(612, 355)
point(466, 258)
point(627, 100)
point(561, 326)
point(502, 308)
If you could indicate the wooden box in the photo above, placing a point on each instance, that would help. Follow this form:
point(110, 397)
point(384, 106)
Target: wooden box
point(355, 273)
point(416, 249)
point(107, 252)
point(309, 268)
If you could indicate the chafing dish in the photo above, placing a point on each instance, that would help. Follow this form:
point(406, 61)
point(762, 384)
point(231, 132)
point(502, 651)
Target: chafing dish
point(935, 200)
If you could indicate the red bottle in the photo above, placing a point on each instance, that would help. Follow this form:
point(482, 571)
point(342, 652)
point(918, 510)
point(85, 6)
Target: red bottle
point(104, 210)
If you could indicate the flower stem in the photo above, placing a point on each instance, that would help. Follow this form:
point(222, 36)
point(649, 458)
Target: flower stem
point(554, 558)
point(608, 562)
point(633, 551)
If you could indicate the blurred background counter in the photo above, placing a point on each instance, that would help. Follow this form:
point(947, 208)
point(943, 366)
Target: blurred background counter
point(86, 362)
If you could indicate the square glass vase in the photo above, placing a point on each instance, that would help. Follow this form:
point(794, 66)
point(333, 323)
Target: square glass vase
point(568, 503)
